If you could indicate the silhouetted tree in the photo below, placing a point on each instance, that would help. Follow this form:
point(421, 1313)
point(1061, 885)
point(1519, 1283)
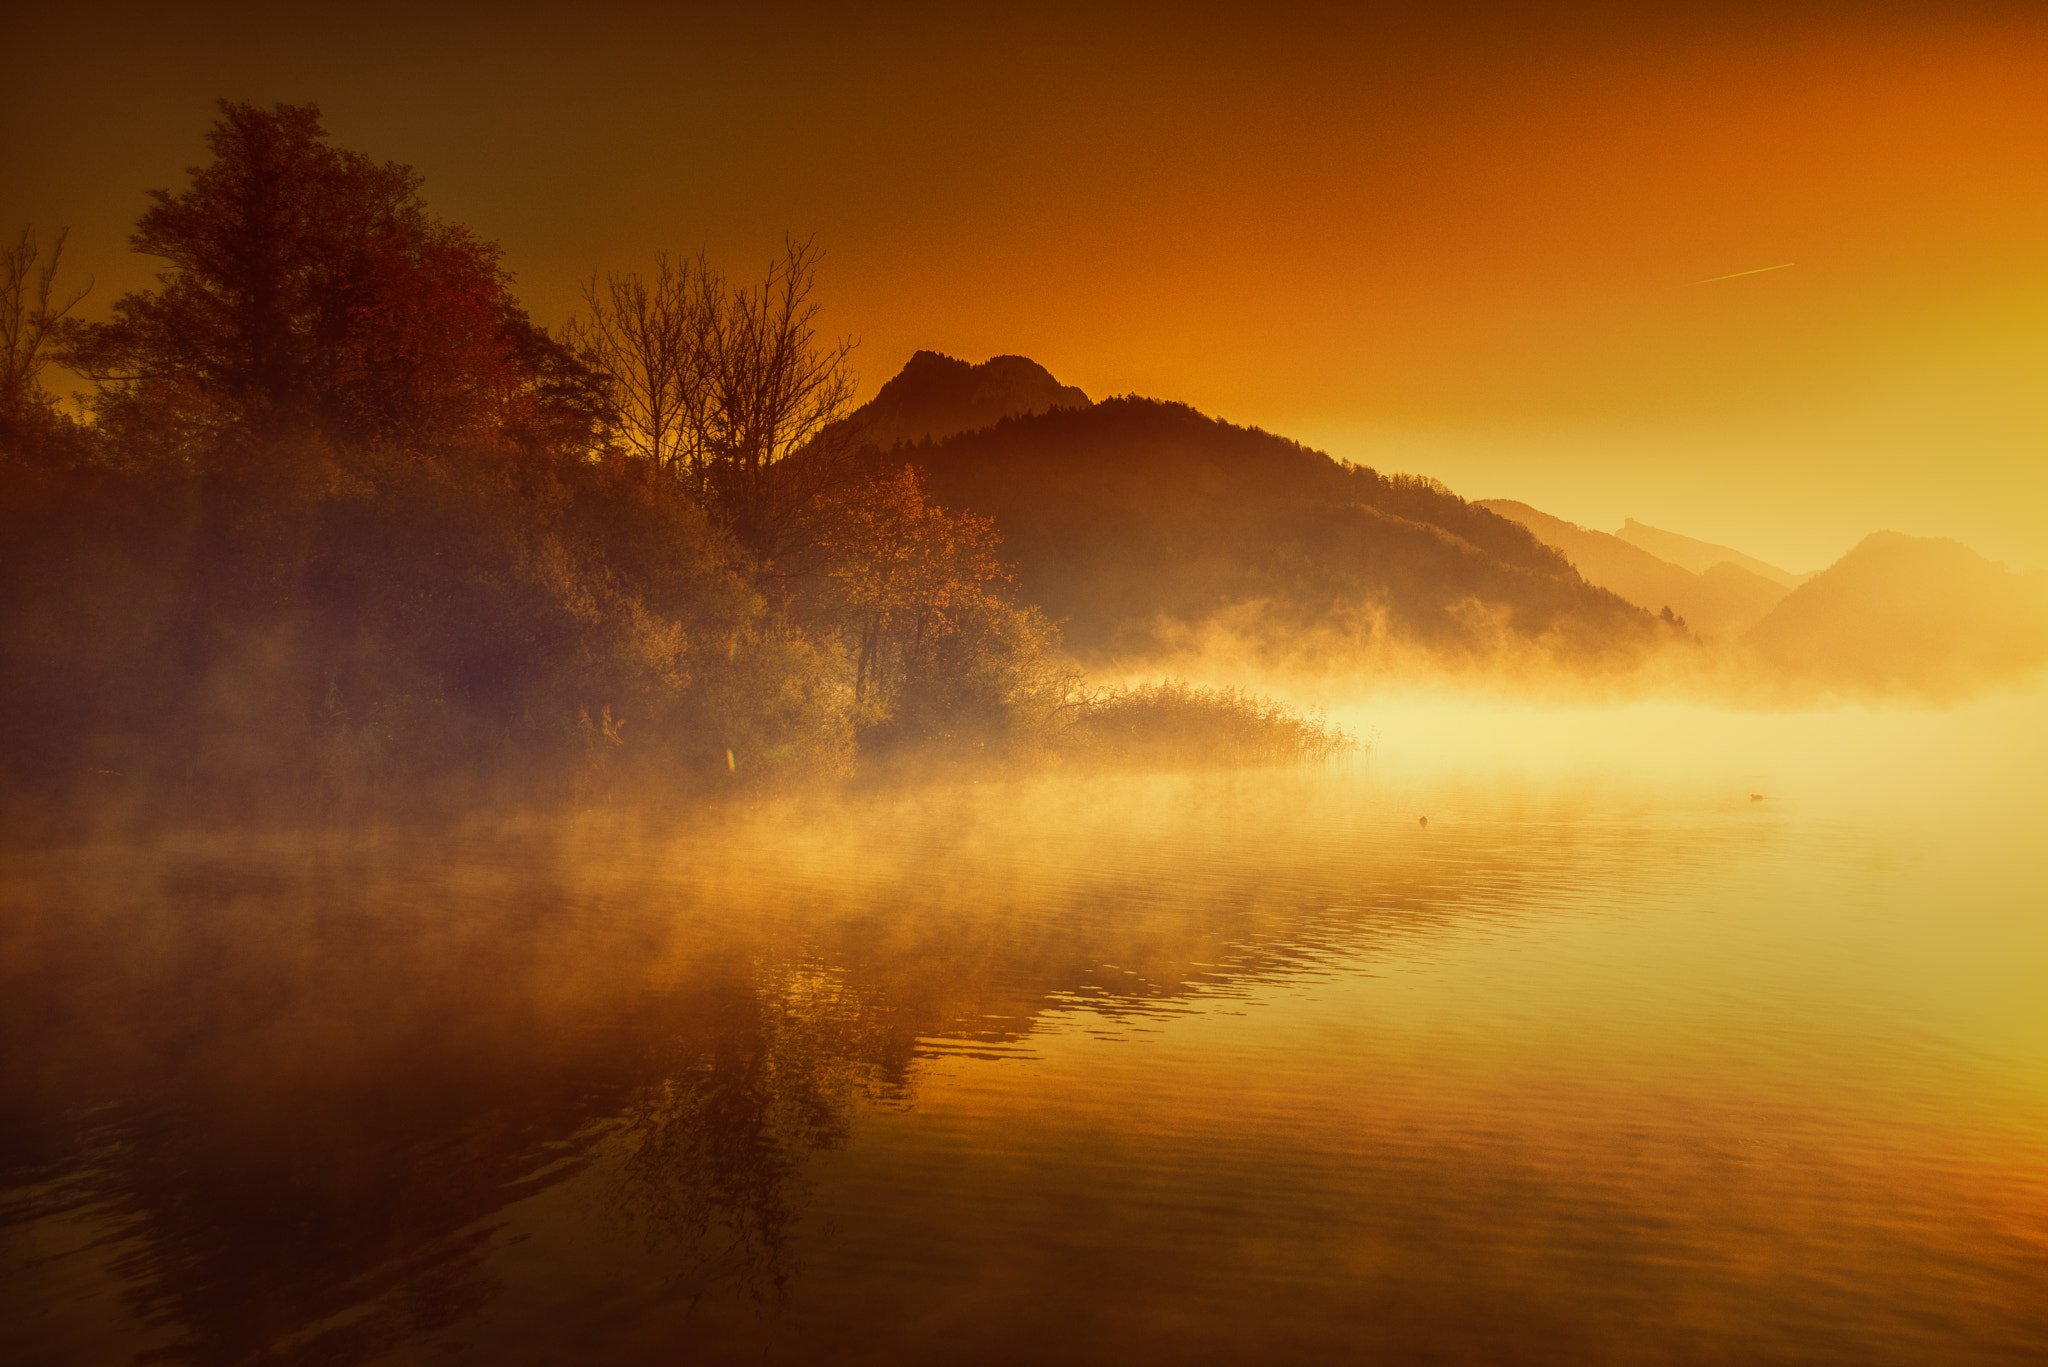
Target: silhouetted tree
point(644, 337)
point(309, 294)
point(32, 321)
point(728, 388)
point(771, 388)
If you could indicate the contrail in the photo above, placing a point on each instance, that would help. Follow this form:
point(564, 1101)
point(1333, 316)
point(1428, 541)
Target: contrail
point(1758, 271)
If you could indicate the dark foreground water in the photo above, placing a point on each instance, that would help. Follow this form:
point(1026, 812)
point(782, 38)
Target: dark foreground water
point(1608, 1063)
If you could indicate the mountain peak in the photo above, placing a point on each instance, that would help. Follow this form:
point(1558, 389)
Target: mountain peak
point(936, 395)
point(1909, 613)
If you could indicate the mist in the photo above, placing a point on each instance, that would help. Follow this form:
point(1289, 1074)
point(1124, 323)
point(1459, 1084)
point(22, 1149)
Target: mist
point(535, 843)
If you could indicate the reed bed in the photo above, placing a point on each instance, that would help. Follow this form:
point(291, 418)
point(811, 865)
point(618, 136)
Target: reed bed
point(1175, 724)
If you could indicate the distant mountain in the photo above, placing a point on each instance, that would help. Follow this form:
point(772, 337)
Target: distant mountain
point(1907, 614)
point(1133, 520)
point(935, 396)
point(1702, 556)
point(1721, 603)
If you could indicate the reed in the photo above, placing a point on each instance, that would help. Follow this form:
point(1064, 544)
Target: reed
point(1175, 723)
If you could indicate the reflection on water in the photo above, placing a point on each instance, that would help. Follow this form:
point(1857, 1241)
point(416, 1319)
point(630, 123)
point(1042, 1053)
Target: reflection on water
point(1608, 1062)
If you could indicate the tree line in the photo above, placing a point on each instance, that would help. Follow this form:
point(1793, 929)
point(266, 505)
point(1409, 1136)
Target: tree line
point(337, 522)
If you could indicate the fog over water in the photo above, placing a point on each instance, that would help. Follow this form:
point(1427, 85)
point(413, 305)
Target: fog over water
point(1673, 1035)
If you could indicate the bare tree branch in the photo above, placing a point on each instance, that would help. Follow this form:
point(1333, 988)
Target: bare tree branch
point(642, 336)
point(772, 388)
point(31, 319)
point(726, 388)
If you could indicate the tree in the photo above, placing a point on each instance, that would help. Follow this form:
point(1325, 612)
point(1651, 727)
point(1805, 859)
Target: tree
point(555, 403)
point(423, 357)
point(726, 388)
point(309, 294)
point(645, 338)
point(922, 599)
point(32, 320)
point(771, 389)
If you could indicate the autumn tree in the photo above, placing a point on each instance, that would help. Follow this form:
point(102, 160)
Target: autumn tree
point(309, 294)
point(923, 600)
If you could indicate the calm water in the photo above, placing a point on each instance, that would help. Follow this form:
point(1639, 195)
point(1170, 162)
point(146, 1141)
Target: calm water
point(1607, 1063)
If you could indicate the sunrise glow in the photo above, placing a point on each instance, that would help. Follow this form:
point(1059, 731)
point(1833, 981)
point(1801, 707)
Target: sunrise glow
point(1066, 685)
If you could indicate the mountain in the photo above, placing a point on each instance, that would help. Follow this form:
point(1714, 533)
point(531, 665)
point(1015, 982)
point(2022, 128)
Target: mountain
point(934, 396)
point(1721, 603)
point(1134, 521)
point(1907, 614)
point(1702, 556)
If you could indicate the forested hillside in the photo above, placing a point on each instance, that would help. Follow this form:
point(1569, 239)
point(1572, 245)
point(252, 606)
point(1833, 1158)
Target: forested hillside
point(1133, 515)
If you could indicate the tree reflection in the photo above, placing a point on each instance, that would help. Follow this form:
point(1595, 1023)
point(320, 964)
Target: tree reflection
point(713, 1148)
point(337, 1088)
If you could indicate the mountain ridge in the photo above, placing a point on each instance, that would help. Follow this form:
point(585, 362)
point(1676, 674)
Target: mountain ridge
point(1690, 553)
point(1719, 603)
point(1142, 525)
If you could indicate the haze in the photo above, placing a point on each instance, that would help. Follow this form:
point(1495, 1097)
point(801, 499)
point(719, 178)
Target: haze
point(1024, 686)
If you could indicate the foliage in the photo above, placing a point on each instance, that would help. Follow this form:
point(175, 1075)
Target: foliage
point(309, 296)
point(905, 576)
point(396, 632)
point(921, 598)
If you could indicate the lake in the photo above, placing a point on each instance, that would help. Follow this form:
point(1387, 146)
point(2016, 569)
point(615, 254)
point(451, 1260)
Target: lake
point(1609, 1061)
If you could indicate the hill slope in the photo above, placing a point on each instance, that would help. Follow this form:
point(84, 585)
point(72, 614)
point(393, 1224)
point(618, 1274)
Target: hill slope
point(1133, 518)
point(1721, 603)
point(1907, 614)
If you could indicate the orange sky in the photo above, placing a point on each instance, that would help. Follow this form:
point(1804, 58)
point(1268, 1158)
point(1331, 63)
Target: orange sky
point(1467, 242)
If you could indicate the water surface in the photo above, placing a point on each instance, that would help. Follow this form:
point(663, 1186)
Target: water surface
point(1608, 1062)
